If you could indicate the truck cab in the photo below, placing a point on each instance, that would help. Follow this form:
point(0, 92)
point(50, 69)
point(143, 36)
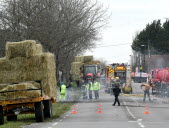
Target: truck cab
point(91, 71)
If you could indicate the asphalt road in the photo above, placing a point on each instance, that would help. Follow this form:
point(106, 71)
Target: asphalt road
point(131, 113)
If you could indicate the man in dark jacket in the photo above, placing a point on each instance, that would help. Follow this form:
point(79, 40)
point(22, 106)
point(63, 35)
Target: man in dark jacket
point(116, 91)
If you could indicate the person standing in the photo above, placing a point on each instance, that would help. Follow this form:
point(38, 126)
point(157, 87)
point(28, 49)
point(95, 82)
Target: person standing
point(63, 91)
point(146, 91)
point(116, 92)
point(90, 89)
point(84, 89)
point(96, 88)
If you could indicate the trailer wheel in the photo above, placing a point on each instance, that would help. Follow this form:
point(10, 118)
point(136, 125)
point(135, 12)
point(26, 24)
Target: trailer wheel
point(48, 109)
point(11, 118)
point(39, 116)
point(1, 115)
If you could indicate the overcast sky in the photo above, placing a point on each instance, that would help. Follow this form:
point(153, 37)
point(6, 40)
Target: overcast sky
point(127, 17)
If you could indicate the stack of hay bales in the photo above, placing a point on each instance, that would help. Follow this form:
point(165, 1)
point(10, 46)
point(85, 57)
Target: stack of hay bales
point(26, 61)
point(83, 59)
point(77, 66)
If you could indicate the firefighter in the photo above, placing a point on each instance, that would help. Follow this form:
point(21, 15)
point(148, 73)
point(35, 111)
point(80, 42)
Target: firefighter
point(116, 92)
point(90, 89)
point(146, 91)
point(84, 87)
point(96, 88)
point(63, 91)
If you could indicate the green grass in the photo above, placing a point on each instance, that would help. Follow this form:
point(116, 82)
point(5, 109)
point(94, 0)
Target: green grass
point(58, 110)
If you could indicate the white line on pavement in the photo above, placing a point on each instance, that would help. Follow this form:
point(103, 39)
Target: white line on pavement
point(49, 127)
point(54, 124)
point(129, 111)
point(60, 120)
point(141, 125)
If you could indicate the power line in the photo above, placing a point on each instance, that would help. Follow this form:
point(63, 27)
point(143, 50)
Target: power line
point(112, 45)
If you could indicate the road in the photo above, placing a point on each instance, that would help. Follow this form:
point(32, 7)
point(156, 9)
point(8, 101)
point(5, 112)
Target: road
point(131, 113)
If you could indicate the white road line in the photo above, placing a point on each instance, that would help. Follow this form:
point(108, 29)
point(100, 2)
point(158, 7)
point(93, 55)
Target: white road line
point(129, 111)
point(60, 120)
point(49, 127)
point(67, 115)
point(54, 124)
point(141, 125)
point(132, 121)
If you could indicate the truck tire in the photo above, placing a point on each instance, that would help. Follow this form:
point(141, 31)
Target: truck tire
point(11, 118)
point(1, 115)
point(39, 116)
point(48, 109)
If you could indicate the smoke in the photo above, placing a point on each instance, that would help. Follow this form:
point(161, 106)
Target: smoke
point(160, 63)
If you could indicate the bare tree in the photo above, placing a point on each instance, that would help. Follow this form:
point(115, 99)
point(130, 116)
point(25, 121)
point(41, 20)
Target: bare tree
point(65, 27)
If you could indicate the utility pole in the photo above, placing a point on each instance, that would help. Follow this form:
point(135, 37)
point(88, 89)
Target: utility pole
point(149, 48)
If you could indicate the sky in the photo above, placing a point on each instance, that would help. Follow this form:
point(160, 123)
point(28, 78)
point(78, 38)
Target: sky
point(127, 18)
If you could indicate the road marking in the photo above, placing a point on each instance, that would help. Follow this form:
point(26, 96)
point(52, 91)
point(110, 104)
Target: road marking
point(139, 120)
point(54, 124)
point(67, 115)
point(141, 125)
point(129, 110)
point(49, 127)
point(60, 120)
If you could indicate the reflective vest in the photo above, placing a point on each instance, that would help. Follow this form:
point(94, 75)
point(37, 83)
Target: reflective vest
point(63, 89)
point(84, 87)
point(90, 86)
point(96, 86)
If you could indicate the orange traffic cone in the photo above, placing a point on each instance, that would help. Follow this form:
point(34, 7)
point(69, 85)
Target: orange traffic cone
point(146, 112)
point(99, 110)
point(74, 112)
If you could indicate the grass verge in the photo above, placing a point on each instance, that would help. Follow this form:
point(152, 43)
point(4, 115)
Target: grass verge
point(58, 110)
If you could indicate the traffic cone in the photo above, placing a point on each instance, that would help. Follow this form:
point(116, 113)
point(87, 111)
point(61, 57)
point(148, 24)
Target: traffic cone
point(99, 110)
point(74, 110)
point(146, 112)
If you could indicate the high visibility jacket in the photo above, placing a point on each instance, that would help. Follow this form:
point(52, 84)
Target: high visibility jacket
point(63, 89)
point(96, 86)
point(84, 87)
point(90, 86)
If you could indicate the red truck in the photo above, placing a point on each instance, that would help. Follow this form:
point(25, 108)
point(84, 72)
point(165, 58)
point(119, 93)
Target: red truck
point(160, 80)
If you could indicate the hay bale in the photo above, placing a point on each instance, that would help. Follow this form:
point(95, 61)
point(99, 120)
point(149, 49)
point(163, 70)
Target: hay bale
point(26, 48)
point(38, 67)
point(87, 58)
point(21, 94)
point(79, 59)
point(76, 68)
point(39, 49)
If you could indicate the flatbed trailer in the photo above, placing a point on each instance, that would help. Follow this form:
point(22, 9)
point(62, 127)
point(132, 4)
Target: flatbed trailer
point(40, 106)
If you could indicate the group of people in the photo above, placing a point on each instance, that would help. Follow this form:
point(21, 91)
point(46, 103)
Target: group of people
point(87, 89)
point(90, 87)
